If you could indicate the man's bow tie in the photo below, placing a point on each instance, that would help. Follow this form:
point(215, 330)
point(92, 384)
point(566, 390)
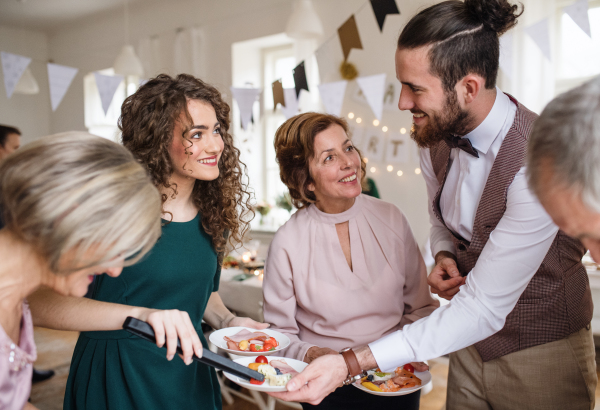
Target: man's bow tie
point(462, 143)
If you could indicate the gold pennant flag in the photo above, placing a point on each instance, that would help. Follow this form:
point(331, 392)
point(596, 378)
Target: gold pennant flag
point(349, 37)
point(278, 94)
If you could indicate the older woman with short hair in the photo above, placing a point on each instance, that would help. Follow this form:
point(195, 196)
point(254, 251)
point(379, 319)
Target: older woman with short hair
point(345, 269)
point(75, 206)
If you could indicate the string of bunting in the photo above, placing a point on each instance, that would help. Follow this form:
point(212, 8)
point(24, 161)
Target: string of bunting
point(329, 57)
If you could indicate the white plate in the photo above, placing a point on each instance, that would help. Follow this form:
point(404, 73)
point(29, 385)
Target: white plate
point(266, 387)
point(216, 338)
point(424, 376)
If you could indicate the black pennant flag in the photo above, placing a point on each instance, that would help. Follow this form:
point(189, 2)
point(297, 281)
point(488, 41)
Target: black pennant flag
point(382, 8)
point(300, 78)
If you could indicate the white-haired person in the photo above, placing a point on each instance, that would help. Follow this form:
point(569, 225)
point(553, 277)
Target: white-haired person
point(74, 206)
point(564, 163)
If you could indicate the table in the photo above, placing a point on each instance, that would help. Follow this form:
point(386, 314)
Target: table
point(244, 297)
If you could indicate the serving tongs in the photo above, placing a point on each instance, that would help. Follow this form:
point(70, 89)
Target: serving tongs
point(145, 331)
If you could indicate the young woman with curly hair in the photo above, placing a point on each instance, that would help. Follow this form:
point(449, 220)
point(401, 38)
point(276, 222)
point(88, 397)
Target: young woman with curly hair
point(178, 129)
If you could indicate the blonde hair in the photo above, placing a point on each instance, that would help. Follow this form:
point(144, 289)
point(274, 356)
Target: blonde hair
point(82, 195)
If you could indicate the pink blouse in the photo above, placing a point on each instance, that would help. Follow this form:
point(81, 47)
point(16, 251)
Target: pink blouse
point(312, 296)
point(16, 365)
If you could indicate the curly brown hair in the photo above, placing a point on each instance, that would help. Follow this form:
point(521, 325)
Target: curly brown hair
point(147, 124)
point(294, 148)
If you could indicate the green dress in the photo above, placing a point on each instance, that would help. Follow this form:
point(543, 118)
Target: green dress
point(116, 370)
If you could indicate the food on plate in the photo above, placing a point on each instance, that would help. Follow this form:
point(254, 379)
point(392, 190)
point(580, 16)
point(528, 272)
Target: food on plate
point(230, 262)
point(244, 341)
point(390, 382)
point(261, 359)
point(277, 372)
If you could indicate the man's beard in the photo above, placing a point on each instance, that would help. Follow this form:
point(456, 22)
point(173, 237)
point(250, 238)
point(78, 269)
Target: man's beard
point(452, 120)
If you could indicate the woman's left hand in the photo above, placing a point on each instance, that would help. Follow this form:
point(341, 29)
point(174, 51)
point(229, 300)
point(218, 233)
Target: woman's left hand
point(246, 322)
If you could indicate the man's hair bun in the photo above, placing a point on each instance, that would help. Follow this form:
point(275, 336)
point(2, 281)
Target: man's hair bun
point(496, 15)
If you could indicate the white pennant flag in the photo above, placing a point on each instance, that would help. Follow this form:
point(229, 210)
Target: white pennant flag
point(578, 11)
point(332, 95)
point(291, 103)
point(60, 78)
point(373, 88)
point(540, 34)
point(329, 58)
point(506, 54)
point(13, 66)
point(245, 97)
point(107, 86)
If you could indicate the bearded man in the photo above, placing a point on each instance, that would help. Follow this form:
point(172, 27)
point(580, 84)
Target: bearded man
point(520, 311)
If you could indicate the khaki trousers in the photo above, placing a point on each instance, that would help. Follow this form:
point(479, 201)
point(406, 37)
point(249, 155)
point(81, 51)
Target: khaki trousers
point(559, 375)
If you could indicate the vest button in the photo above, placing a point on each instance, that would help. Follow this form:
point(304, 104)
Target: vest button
point(462, 247)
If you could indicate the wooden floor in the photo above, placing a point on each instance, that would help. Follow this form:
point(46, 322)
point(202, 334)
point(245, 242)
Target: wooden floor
point(55, 349)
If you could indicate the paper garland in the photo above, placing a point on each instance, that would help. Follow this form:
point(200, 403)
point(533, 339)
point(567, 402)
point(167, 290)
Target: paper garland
point(107, 86)
point(245, 97)
point(60, 78)
point(300, 81)
point(291, 103)
point(540, 34)
point(397, 148)
point(13, 66)
point(278, 97)
point(329, 58)
point(578, 11)
point(382, 8)
point(349, 37)
point(332, 95)
point(373, 88)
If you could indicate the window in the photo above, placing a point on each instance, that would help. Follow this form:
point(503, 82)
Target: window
point(278, 63)
point(579, 54)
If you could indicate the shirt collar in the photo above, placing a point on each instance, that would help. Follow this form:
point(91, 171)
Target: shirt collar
point(484, 135)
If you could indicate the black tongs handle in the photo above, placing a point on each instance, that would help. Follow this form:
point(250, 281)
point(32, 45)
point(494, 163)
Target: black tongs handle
point(145, 331)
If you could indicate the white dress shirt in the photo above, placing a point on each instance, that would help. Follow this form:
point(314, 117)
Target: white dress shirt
point(510, 258)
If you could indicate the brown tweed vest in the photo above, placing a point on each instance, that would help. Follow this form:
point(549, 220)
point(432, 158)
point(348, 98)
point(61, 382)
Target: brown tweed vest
point(557, 301)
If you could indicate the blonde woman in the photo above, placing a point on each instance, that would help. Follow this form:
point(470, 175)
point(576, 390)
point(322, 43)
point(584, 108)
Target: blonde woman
point(75, 206)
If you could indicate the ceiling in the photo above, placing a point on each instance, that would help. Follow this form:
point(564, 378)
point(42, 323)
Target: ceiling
point(46, 15)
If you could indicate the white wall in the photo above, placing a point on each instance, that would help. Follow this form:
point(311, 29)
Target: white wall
point(93, 44)
point(29, 113)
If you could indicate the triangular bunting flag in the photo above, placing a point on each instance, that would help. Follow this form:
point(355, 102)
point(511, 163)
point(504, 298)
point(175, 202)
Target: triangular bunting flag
point(578, 11)
point(540, 34)
point(107, 86)
point(13, 66)
point(382, 8)
point(329, 58)
point(245, 97)
point(60, 78)
point(332, 95)
point(506, 54)
point(291, 103)
point(373, 88)
point(300, 81)
point(278, 97)
point(349, 37)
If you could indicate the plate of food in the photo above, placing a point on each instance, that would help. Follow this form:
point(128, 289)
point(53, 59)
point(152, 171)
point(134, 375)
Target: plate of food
point(245, 341)
point(403, 380)
point(277, 370)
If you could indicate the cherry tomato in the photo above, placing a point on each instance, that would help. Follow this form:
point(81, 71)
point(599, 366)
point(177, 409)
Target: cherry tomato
point(409, 368)
point(268, 345)
point(256, 348)
point(254, 381)
point(261, 359)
